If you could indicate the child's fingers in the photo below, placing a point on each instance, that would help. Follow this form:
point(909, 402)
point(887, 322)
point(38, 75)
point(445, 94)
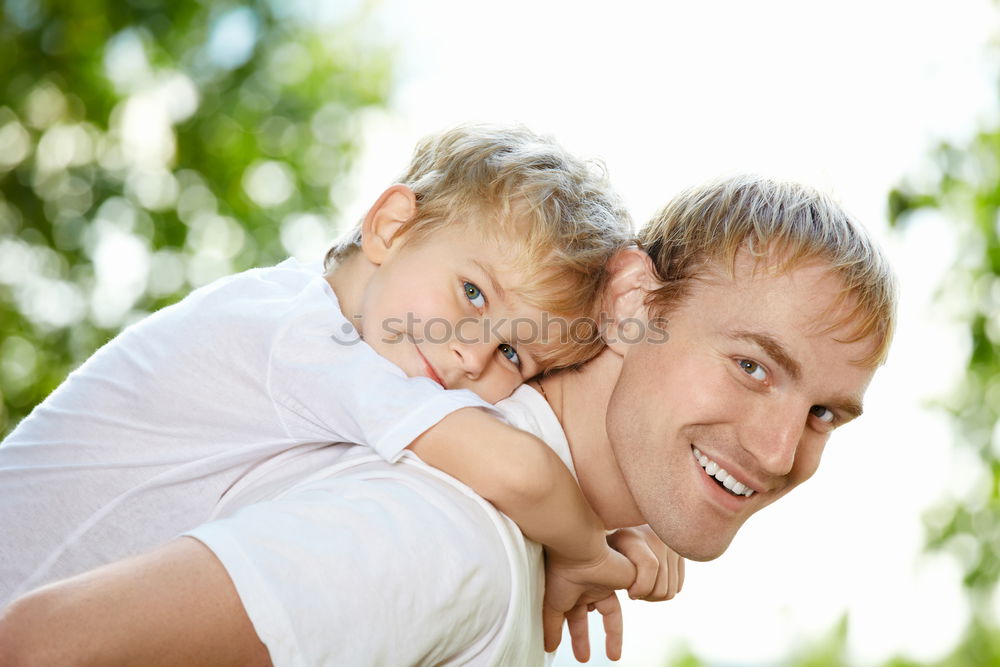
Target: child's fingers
point(552, 621)
point(611, 610)
point(633, 546)
point(647, 569)
point(576, 620)
point(673, 585)
point(670, 577)
point(664, 582)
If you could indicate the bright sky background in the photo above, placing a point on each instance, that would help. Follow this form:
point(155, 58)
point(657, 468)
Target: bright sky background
point(849, 96)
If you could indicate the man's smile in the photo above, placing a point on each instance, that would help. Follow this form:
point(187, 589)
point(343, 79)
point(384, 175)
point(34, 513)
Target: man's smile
point(726, 480)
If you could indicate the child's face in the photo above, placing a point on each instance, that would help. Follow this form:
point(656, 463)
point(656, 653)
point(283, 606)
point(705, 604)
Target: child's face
point(443, 308)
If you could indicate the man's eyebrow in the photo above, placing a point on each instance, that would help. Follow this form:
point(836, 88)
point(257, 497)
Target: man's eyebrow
point(494, 283)
point(774, 349)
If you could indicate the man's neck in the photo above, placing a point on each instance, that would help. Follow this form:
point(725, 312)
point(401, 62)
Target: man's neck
point(580, 400)
point(348, 279)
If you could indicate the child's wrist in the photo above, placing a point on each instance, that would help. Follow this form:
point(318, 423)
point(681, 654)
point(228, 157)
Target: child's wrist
point(591, 552)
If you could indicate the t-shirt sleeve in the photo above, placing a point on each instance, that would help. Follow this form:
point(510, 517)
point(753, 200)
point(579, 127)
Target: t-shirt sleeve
point(361, 571)
point(328, 385)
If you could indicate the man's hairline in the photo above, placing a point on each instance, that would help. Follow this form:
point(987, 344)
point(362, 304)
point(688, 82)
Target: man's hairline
point(714, 269)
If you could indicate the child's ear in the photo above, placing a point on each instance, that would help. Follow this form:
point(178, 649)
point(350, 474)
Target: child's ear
point(631, 278)
point(393, 209)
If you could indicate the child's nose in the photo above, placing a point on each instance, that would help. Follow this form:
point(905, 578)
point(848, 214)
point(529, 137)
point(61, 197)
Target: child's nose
point(473, 357)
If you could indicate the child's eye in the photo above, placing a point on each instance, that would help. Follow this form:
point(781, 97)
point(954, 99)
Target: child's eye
point(474, 294)
point(509, 352)
point(753, 369)
point(822, 413)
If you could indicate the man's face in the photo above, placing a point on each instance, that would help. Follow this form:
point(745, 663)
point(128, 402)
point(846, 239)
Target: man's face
point(748, 387)
point(443, 308)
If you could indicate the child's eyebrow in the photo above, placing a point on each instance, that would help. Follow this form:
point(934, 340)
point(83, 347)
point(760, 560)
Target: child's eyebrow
point(494, 283)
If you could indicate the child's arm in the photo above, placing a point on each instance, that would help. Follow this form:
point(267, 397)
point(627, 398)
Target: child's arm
point(525, 480)
point(528, 482)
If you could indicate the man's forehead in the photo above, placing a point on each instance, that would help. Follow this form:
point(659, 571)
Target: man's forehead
point(830, 306)
point(799, 315)
point(810, 285)
point(744, 265)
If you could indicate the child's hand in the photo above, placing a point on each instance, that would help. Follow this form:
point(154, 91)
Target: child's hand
point(573, 587)
point(658, 575)
point(659, 570)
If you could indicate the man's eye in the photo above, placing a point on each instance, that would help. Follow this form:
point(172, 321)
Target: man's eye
point(474, 295)
point(753, 369)
point(821, 413)
point(509, 352)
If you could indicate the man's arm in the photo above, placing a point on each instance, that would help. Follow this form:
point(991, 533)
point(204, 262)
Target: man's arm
point(173, 605)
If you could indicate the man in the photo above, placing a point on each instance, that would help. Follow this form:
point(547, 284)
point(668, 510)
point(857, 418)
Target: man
point(779, 310)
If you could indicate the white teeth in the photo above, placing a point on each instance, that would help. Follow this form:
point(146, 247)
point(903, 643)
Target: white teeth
point(728, 481)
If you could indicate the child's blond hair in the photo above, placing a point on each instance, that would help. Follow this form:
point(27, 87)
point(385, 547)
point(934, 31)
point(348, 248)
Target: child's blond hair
point(555, 215)
point(780, 220)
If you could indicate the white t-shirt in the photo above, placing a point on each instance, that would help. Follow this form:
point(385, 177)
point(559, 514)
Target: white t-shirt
point(367, 563)
point(159, 424)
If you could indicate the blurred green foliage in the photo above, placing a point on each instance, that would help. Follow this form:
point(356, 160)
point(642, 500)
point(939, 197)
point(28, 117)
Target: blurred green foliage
point(150, 146)
point(964, 186)
point(826, 651)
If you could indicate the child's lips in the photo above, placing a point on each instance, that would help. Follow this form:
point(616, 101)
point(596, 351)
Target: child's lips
point(429, 370)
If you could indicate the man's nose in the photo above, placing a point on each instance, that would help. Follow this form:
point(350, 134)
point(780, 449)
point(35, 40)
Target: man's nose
point(774, 439)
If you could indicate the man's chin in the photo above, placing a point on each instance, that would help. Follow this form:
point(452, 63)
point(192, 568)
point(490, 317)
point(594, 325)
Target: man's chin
point(697, 547)
point(701, 555)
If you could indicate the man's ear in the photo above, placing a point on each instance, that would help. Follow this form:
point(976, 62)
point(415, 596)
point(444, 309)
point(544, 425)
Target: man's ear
point(385, 219)
point(631, 278)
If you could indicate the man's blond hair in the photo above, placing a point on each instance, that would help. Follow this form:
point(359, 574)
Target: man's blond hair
point(554, 215)
point(783, 221)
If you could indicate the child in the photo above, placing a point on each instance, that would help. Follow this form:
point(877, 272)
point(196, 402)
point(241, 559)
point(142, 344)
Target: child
point(464, 275)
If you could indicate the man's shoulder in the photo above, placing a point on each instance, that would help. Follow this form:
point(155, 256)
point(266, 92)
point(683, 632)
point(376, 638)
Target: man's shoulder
point(412, 491)
point(482, 562)
point(397, 545)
